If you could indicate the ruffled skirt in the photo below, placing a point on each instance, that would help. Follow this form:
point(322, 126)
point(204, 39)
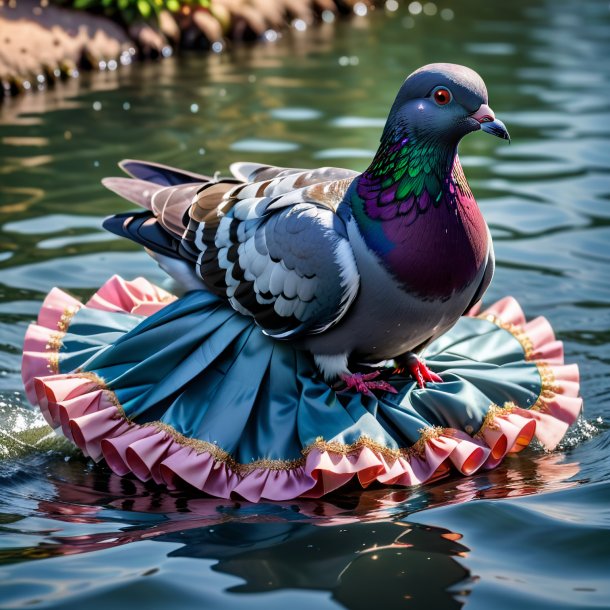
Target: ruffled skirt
point(187, 391)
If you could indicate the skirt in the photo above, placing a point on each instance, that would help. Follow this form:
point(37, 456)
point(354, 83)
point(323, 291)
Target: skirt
point(187, 392)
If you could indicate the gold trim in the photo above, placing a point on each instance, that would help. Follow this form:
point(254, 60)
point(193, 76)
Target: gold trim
point(220, 455)
point(55, 342)
point(548, 385)
point(99, 381)
point(493, 412)
point(549, 388)
point(516, 331)
point(53, 362)
point(66, 318)
point(343, 449)
point(427, 434)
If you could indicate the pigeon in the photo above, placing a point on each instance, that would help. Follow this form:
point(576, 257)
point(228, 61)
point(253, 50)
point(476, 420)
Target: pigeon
point(359, 269)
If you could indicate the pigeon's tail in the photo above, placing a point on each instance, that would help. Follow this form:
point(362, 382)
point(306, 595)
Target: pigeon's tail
point(160, 174)
point(166, 194)
point(134, 190)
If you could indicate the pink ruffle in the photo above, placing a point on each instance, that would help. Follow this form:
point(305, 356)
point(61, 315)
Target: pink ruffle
point(86, 413)
point(138, 296)
point(561, 404)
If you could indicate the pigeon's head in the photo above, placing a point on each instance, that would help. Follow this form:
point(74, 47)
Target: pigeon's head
point(444, 102)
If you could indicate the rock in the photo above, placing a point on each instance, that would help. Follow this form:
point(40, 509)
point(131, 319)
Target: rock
point(40, 44)
point(150, 40)
point(208, 25)
point(168, 26)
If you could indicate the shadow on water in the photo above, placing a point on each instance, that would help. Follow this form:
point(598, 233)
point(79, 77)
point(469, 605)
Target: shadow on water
point(72, 535)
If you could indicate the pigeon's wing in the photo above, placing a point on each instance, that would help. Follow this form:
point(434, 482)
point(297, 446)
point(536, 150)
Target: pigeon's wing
point(277, 250)
point(269, 241)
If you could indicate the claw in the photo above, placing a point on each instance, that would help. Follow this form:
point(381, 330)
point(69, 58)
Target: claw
point(364, 383)
point(420, 372)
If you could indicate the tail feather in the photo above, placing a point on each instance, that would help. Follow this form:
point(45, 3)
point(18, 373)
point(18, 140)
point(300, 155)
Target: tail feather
point(136, 191)
point(144, 229)
point(170, 206)
point(160, 174)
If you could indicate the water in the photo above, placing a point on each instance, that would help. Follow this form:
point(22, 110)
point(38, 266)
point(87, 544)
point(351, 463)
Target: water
point(535, 532)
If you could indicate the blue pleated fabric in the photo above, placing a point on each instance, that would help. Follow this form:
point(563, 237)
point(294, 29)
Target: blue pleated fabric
point(211, 374)
point(190, 389)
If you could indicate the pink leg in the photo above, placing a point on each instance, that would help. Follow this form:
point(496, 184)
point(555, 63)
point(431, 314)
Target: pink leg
point(364, 382)
point(419, 371)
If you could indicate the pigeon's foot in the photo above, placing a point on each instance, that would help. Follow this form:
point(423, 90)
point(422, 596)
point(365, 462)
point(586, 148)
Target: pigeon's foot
point(419, 371)
point(365, 383)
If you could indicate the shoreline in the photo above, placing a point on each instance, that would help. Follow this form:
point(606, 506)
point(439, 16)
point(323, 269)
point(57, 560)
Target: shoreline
point(41, 43)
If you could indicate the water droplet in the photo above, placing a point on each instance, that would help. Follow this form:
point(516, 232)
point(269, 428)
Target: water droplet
point(408, 22)
point(194, 108)
point(40, 78)
point(415, 8)
point(251, 78)
point(102, 65)
point(97, 106)
point(167, 51)
point(328, 16)
point(391, 6)
point(112, 65)
point(217, 47)
point(96, 164)
point(360, 9)
point(57, 73)
point(201, 151)
point(430, 9)
point(299, 25)
point(26, 85)
point(447, 14)
point(344, 60)
point(126, 105)
point(270, 35)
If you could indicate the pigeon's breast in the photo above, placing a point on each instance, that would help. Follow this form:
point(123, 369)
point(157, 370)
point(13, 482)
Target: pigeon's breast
point(387, 320)
point(439, 254)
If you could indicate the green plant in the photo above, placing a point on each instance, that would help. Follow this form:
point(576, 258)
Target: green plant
point(131, 10)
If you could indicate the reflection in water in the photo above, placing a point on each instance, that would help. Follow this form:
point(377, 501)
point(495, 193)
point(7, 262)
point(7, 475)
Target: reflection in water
point(326, 545)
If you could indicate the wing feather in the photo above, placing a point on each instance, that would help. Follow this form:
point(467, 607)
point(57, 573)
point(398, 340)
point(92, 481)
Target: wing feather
point(269, 242)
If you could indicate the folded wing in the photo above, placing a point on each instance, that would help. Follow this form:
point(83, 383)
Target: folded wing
point(273, 245)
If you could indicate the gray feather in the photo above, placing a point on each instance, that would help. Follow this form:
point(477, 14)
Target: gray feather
point(136, 191)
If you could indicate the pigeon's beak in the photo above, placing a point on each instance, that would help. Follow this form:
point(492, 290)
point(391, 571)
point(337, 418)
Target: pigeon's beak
point(487, 119)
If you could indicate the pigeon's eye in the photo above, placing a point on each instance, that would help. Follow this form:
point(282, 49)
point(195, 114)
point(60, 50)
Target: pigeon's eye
point(442, 96)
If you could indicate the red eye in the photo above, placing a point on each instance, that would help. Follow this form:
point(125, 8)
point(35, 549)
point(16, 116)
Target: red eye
point(442, 96)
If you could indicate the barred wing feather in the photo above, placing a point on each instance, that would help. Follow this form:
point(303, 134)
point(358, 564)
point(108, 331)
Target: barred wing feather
point(276, 250)
point(269, 241)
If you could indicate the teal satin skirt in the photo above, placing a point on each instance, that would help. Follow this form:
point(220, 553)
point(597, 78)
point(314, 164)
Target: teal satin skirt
point(187, 391)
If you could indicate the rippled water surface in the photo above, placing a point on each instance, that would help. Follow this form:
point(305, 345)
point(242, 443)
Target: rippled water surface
point(535, 533)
